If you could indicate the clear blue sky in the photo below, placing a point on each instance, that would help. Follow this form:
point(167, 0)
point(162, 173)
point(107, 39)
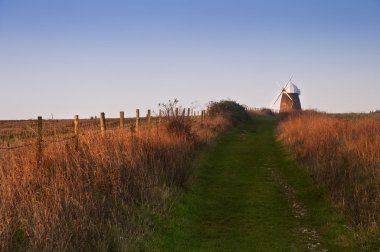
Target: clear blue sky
point(82, 57)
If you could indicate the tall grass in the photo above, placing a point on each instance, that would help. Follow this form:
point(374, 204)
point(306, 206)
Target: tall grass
point(343, 154)
point(97, 196)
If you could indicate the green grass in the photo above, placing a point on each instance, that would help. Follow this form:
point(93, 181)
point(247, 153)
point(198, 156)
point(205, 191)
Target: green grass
point(237, 203)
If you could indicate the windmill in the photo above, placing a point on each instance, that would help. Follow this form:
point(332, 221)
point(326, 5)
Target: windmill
point(290, 100)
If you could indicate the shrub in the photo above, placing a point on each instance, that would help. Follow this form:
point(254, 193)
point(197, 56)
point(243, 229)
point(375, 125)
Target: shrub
point(175, 120)
point(261, 112)
point(228, 109)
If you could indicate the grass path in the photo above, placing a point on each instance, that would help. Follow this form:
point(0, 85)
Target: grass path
point(248, 195)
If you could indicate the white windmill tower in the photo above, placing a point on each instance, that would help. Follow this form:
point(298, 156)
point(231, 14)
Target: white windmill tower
point(290, 100)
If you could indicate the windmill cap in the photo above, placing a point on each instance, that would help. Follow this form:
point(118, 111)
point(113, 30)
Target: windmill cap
point(293, 89)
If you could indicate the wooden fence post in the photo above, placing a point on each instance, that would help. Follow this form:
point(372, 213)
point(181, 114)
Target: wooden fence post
point(76, 124)
point(39, 141)
point(103, 126)
point(122, 124)
point(148, 117)
point(76, 131)
point(188, 112)
point(137, 119)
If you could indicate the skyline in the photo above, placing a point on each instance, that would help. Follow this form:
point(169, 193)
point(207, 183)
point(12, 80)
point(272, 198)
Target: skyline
point(65, 58)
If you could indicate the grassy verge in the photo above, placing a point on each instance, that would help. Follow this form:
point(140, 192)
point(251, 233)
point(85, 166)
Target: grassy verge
point(249, 195)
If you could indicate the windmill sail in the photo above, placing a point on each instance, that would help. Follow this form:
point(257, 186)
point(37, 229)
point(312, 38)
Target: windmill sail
point(276, 98)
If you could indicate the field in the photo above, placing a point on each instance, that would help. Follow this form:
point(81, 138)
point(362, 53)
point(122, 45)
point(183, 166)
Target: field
point(137, 185)
point(342, 153)
point(98, 190)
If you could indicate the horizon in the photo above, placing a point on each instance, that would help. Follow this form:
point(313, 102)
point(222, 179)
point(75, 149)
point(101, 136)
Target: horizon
point(67, 58)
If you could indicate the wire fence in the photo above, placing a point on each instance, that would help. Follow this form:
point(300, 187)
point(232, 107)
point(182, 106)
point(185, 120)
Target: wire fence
point(17, 134)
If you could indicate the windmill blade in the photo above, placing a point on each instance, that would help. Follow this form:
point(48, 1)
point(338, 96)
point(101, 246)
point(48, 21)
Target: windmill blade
point(289, 81)
point(288, 95)
point(276, 99)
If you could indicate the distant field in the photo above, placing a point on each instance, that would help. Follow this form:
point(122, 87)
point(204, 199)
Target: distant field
point(356, 115)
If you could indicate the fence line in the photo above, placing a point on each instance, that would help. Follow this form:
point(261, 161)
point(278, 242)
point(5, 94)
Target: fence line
point(59, 140)
point(39, 140)
point(16, 147)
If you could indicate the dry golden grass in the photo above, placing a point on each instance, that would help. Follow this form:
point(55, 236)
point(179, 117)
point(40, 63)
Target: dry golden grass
point(94, 197)
point(344, 156)
point(13, 132)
